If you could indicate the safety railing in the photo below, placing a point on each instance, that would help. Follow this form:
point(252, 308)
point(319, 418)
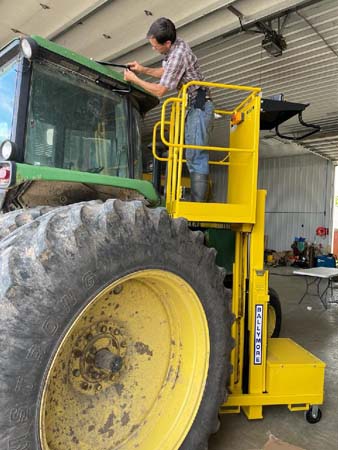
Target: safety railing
point(241, 159)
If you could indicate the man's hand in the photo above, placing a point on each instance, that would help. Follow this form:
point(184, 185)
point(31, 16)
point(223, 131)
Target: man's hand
point(156, 72)
point(130, 76)
point(154, 88)
point(135, 67)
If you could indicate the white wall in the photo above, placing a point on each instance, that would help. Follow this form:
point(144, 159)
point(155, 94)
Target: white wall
point(300, 198)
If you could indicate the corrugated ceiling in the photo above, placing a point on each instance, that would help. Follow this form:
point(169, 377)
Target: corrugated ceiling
point(307, 72)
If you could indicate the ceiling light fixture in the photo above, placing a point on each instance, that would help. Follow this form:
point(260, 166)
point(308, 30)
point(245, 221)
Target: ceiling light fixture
point(274, 43)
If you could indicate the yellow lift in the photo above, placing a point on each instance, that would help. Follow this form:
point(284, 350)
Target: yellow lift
point(265, 371)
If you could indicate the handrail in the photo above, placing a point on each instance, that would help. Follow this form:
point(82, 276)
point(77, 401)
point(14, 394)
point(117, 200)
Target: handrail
point(223, 112)
point(168, 100)
point(176, 127)
point(157, 124)
point(234, 87)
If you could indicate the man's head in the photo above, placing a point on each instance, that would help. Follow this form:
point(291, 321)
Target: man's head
point(162, 34)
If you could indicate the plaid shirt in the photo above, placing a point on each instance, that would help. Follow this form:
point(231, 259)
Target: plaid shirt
point(180, 66)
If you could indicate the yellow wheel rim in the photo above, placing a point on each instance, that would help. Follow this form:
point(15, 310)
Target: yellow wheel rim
point(131, 371)
point(271, 320)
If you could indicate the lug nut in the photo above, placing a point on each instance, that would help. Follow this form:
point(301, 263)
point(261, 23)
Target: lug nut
point(76, 373)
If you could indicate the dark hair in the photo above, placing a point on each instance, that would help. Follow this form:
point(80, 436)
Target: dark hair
point(162, 30)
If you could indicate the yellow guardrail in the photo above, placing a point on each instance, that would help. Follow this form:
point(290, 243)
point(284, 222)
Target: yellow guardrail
point(243, 142)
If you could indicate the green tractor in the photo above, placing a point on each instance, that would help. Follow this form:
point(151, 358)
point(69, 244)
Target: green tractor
point(115, 321)
point(115, 324)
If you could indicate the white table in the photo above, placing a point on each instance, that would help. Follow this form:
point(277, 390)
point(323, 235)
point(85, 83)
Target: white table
point(314, 276)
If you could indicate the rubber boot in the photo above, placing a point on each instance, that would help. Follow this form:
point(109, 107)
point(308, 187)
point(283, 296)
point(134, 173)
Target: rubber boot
point(199, 187)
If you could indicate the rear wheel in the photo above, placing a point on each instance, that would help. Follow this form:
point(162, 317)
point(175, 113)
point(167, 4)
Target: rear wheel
point(274, 309)
point(119, 332)
point(274, 314)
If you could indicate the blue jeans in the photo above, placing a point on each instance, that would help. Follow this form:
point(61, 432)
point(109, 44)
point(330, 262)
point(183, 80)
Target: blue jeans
point(198, 126)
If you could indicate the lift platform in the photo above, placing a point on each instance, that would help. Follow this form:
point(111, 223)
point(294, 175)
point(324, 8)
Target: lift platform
point(265, 371)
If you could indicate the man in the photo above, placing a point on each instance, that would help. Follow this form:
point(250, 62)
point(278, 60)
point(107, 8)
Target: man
point(180, 66)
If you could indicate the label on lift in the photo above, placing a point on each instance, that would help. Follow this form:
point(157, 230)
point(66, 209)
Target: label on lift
point(258, 334)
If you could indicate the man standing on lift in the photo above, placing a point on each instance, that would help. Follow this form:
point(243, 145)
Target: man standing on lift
point(180, 66)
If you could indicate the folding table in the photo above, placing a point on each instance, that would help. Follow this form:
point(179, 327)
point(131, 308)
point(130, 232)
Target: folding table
point(314, 277)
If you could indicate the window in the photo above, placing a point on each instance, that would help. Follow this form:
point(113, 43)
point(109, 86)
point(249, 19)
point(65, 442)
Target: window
point(8, 76)
point(75, 124)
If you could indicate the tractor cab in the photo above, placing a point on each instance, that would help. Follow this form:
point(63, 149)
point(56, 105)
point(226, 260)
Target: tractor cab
point(62, 111)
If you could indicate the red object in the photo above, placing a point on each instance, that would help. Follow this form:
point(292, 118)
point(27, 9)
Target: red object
point(335, 242)
point(322, 231)
point(5, 176)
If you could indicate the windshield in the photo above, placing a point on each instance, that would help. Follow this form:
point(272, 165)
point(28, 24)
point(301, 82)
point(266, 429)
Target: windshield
point(74, 124)
point(8, 76)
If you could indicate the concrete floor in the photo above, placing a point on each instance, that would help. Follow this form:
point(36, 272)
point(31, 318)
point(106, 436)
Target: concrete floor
point(316, 329)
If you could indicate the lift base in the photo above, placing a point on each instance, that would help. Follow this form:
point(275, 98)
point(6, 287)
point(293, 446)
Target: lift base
point(294, 377)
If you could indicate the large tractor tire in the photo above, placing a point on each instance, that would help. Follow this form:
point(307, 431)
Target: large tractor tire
point(15, 219)
point(114, 332)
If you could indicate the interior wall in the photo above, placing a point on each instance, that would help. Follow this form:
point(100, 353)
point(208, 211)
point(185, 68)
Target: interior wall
point(335, 214)
point(300, 199)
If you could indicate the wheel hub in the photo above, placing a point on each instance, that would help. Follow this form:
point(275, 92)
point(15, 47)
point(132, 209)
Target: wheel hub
point(97, 357)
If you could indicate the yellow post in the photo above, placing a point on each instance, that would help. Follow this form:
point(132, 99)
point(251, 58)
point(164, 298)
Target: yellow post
point(258, 301)
point(239, 310)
